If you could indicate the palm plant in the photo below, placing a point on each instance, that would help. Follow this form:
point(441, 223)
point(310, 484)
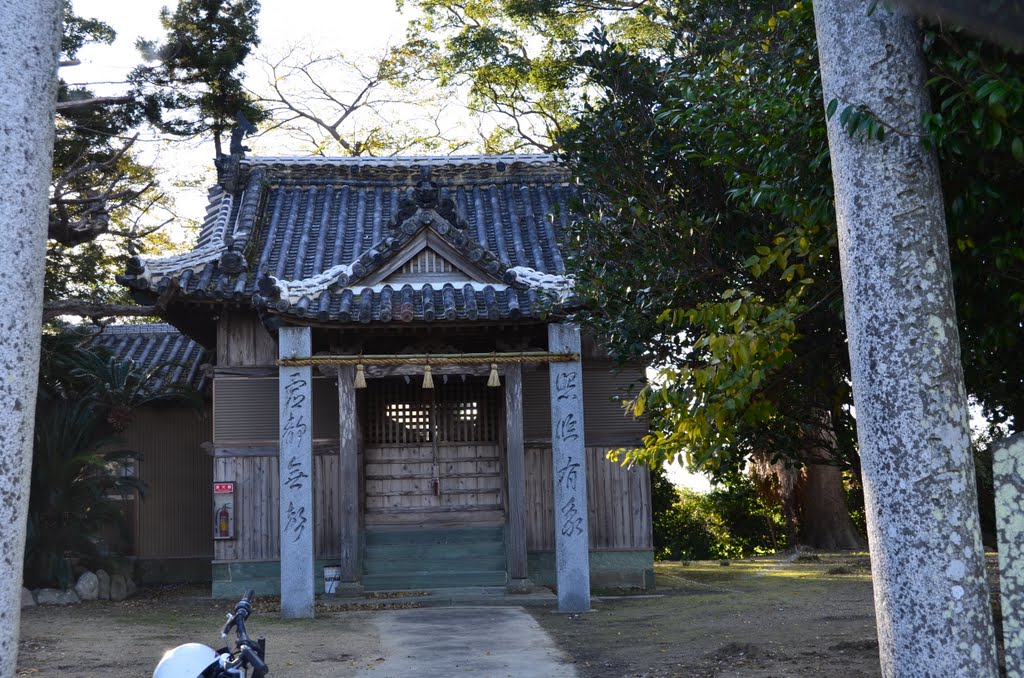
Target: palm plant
point(76, 478)
point(87, 395)
point(123, 385)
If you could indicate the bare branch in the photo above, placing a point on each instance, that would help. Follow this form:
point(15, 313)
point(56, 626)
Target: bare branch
point(95, 101)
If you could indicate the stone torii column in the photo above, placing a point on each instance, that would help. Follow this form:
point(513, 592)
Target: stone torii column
point(568, 455)
point(29, 44)
point(296, 475)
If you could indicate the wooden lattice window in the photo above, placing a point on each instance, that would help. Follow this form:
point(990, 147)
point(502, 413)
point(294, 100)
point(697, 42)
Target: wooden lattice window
point(405, 413)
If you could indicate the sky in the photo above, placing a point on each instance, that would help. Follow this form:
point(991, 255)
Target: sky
point(350, 25)
point(356, 27)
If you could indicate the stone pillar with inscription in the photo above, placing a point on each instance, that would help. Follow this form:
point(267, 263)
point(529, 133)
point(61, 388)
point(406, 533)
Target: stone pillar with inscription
point(296, 469)
point(568, 454)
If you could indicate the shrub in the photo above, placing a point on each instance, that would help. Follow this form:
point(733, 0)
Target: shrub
point(731, 521)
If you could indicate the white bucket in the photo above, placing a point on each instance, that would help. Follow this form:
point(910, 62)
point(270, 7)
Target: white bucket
point(332, 577)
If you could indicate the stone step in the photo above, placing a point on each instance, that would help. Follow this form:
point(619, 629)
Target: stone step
point(431, 580)
point(430, 551)
point(442, 536)
point(433, 564)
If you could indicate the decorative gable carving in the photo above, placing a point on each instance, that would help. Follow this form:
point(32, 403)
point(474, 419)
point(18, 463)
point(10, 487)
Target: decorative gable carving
point(427, 265)
point(427, 257)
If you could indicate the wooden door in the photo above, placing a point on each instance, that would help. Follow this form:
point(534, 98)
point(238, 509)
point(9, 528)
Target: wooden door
point(432, 455)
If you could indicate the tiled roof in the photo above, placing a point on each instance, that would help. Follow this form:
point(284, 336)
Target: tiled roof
point(308, 237)
point(157, 344)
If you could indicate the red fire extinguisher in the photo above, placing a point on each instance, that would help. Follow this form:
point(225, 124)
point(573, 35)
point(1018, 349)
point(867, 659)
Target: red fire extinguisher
point(223, 520)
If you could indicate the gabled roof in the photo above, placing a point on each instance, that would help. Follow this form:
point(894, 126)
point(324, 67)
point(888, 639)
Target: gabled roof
point(153, 345)
point(378, 240)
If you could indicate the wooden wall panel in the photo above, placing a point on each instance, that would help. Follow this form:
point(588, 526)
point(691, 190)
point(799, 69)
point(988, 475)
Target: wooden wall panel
point(257, 498)
point(606, 422)
point(175, 517)
point(400, 489)
point(245, 410)
point(242, 341)
point(619, 503)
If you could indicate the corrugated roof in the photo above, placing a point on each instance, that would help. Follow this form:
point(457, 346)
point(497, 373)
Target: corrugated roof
point(152, 345)
point(324, 224)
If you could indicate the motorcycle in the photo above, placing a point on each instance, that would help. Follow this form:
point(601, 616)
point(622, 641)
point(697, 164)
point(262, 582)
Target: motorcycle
point(195, 660)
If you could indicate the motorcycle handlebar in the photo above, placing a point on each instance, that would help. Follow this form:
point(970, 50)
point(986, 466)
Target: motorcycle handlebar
point(242, 611)
point(246, 653)
point(259, 669)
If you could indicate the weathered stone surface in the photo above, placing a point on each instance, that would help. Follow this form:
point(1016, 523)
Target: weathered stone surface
point(118, 587)
point(130, 586)
point(27, 599)
point(29, 43)
point(88, 586)
point(103, 593)
point(932, 603)
point(56, 597)
point(1008, 474)
point(296, 476)
point(568, 456)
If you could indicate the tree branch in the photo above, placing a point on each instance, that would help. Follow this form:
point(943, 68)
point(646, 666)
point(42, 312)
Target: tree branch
point(95, 101)
point(93, 310)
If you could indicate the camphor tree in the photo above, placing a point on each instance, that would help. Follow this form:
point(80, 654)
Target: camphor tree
point(708, 151)
point(707, 257)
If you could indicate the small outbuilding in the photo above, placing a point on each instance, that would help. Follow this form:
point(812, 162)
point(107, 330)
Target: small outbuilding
point(396, 394)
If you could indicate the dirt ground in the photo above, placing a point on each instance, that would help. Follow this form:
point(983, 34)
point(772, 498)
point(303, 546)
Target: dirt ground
point(795, 616)
point(128, 638)
point(809, 615)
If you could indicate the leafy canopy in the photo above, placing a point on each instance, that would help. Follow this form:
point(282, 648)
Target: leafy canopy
point(195, 86)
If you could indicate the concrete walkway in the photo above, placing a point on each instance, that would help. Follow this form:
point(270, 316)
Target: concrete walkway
point(484, 642)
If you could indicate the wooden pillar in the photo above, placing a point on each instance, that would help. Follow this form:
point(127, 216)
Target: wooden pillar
point(296, 475)
point(348, 429)
point(518, 574)
point(572, 543)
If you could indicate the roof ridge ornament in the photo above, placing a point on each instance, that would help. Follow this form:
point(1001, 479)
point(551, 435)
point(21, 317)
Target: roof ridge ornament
point(428, 193)
point(229, 168)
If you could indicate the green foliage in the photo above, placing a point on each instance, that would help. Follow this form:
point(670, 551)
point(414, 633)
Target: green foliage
point(103, 202)
point(703, 251)
point(81, 31)
point(977, 124)
point(76, 478)
point(79, 471)
point(120, 386)
point(196, 87)
point(708, 246)
point(517, 58)
point(732, 521)
point(94, 173)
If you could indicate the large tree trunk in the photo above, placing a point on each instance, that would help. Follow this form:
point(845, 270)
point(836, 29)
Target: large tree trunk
point(29, 40)
point(825, 521)
point(931, 596)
